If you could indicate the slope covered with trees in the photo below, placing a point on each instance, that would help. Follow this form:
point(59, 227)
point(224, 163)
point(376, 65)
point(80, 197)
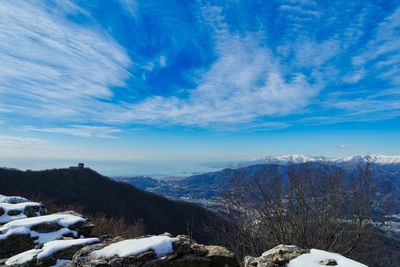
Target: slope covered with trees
point(95, 194)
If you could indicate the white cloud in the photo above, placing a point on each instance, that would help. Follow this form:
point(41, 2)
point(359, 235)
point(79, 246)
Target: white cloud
point(24, 142)
point(79, 130)
point(131, 6)
point(163, 61)
point(53, 68)
point(244, 83)
point(382, 53)
point(343, 146)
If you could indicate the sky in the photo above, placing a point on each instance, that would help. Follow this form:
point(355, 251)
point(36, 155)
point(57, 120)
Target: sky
point(169, 87)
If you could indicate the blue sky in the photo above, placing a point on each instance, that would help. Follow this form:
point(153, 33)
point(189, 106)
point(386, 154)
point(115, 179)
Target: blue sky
point(179, 84)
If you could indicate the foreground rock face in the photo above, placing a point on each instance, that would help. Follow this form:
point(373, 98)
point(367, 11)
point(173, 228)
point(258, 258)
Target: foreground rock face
point(24, 234)
point(184, 253)
point(50, 253)
point(14, 208)
point(35, 239)
point(293, 256)
point(275, 257)
point(64, 239)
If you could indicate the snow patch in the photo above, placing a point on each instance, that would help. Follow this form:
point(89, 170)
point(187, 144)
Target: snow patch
point(22, 257)
point(161, 245)
point(49, 249)
point(60, 263)
point(23, 226)
point(20, 207)
point(314, 258)
point(12, 199)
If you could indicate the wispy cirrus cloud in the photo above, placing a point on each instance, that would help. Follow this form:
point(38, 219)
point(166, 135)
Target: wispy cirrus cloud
point(51, 67)
point(245, 82)
point(248, 71)
point(78, 130)
point(24, 142)
point(343, 146)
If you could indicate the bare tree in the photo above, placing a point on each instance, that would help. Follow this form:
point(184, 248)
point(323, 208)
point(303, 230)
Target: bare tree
point(310, 205)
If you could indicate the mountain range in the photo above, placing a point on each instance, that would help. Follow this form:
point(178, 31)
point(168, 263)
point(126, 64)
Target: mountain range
point(284, 159)
point(205, 188)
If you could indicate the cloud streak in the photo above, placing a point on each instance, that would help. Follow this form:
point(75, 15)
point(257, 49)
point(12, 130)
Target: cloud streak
point(23, 142)
point(53, 68)
point(79, 131)
point(310, 59)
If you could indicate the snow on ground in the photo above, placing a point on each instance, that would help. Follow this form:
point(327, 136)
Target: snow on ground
point(60, 262)
point(314, 258)
point(161, 245)
point(20, 207)
point(49, 249)
point(23, 226)
point(22, 257)
point(47, 237)
point(12, 199)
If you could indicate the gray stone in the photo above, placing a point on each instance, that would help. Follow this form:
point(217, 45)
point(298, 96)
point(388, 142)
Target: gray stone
point(275, 257)
point(187, 253)
point(328, 262)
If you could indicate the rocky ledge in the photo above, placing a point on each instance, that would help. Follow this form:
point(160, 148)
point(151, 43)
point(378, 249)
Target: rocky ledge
point(64, 239)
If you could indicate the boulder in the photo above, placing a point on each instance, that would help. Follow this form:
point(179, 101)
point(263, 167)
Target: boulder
point(328, 262)
point(50, 253)
point(285, 255)
point(12, 199)
point(154, 251)
point(275, 257)
point(220, 256)
point(15, 208)
point(24, 234)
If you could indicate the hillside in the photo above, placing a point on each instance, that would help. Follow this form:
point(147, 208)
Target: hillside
point(205, 187)
point(99, 194)
point(66, 239)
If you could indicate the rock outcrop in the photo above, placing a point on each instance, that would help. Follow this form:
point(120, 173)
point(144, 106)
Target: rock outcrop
point(24, 234)
point(275, 257)
point(293, 256)
point(50, 253)
point(64, 239)
point(14, 208)
point(183, 252)
point(36, 239)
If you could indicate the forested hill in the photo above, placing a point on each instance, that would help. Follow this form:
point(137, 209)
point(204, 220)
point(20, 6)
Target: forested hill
point(99, 194)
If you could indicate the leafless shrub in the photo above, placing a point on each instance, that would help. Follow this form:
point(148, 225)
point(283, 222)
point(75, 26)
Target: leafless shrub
point(103, 225)
point(310, 205)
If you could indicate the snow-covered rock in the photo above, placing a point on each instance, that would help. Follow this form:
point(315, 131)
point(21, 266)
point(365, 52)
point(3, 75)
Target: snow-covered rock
point(21, 235)
point(161, 245)
point(10, 211)
point(12, 199)
point(154, 251)
point(277, 256)
point(50, 253)
point(318, 258)
point(293, 256)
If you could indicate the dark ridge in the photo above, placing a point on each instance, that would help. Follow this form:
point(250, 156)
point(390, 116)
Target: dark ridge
point(96, 193)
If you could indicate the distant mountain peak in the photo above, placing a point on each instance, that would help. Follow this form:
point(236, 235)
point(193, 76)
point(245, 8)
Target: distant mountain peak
point(297, 158)
point(374, 158)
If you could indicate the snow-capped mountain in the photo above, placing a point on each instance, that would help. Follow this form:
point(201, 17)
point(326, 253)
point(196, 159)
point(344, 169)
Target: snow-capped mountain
point(377, 159)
